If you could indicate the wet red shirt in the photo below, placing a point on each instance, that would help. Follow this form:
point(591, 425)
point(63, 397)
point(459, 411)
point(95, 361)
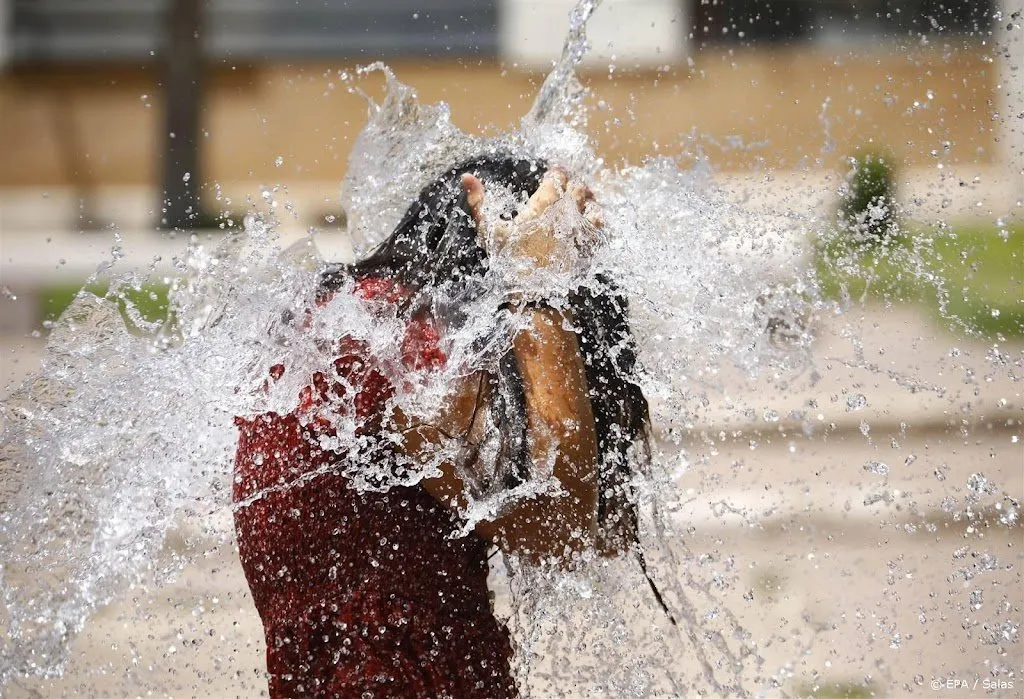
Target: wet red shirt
point(361, 593)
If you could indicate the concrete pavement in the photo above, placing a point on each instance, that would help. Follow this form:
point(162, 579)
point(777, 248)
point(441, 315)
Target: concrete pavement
point(836, 514)
point(838, 519)
point(830, 598)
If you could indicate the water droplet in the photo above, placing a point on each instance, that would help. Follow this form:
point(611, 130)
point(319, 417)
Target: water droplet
point(856, 402)
point(878, 467)
point(978, 484)
point(1009, 512)
point(1008, 631)
point(278, 161)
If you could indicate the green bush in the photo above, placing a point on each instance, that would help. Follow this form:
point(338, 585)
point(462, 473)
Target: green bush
point(868, 210)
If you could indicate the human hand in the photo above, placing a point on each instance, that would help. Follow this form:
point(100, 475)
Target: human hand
point(558, 229)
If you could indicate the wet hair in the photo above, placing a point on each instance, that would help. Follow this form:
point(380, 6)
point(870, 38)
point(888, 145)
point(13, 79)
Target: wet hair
point(435, 242)
point(435, 245)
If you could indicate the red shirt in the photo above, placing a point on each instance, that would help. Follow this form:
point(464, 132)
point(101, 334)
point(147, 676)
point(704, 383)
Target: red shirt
point(361, 591)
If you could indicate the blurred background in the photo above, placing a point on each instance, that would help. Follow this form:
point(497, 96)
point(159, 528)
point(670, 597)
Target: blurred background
point(147, 115)
point(107, 102)
point(148, 118)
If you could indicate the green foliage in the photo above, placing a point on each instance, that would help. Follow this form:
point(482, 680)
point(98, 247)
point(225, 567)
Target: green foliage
point(971, 276)
point(837, 690)
point(868, 210)
point(150, 301)
point(847, 268)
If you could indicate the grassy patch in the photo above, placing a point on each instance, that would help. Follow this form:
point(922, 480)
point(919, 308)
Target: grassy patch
point(150, 300)
point(837, 690)
point(972, 277)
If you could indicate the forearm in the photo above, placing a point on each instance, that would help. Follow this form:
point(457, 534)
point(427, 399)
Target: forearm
point(560, 422)
point(560, 434)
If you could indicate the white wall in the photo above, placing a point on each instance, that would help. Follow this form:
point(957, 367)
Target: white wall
point(637, 33)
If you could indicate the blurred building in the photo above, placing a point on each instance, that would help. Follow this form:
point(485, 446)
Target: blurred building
point(752, 84)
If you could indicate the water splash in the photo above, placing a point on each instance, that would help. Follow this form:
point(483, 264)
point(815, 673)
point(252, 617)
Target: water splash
point(560, 98)
point(127, 432)
point(417, 141)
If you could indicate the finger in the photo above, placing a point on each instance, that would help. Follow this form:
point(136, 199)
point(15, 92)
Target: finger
point(474, 196)
point(550, 190)
point(593, 214)
point(581, 194)
point(490, 236)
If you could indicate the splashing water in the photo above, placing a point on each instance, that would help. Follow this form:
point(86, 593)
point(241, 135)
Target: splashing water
point(127, 432)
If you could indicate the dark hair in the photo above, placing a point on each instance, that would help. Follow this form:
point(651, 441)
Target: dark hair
point(435, 245)
point(435, 242)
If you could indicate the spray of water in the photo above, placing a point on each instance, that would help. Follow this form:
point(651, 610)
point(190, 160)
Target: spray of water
point(127, 431)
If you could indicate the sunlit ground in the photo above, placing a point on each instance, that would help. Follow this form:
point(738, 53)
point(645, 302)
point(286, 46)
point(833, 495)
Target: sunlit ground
point(841, 520)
